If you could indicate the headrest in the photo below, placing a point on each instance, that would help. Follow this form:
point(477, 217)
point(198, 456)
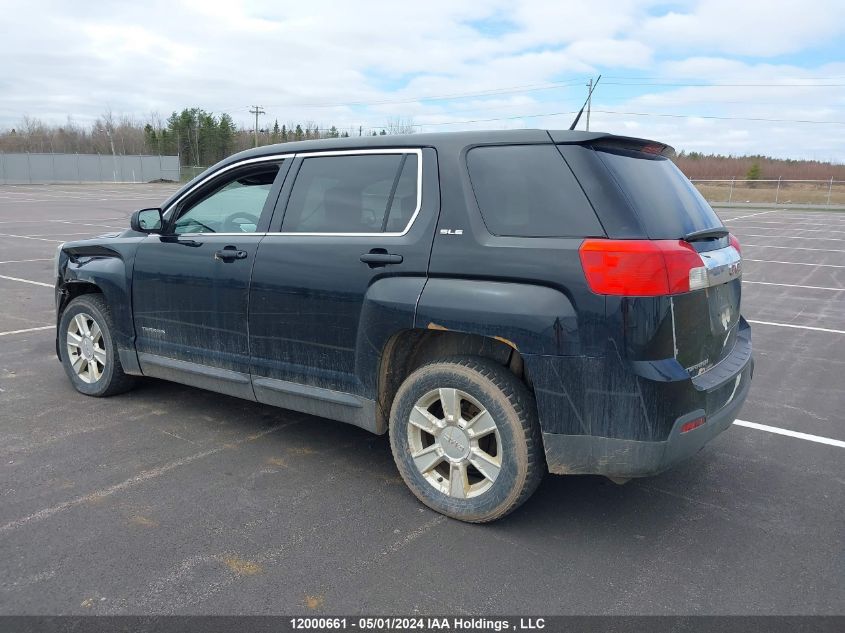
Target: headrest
point(342, 207)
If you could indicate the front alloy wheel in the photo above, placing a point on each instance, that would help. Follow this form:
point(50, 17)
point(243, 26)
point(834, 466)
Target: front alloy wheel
point(85, 348)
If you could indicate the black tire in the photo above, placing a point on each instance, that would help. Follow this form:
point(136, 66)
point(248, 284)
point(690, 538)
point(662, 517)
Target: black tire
point(112, 379)
point(512, 407)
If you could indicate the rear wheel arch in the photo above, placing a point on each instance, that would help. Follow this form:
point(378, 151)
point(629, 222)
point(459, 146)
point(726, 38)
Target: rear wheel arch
point(408, 350)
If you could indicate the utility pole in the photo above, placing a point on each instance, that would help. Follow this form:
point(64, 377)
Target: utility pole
point(589, 101)
point(256, 110)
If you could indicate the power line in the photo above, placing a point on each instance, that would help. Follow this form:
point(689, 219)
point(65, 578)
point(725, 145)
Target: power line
point(655, 114)
point(721, 118)
point(461, 95)
point(616, 112)
point(732, 85)
point(538, 87)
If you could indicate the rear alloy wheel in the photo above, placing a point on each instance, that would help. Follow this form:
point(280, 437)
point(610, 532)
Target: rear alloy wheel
point(465, 438)
point(87, 348)
point(454, 443)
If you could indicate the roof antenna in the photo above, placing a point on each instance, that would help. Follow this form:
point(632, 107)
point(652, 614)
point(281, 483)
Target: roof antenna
point(581, 111)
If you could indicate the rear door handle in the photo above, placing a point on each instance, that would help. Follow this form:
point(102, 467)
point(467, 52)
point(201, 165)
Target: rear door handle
point(230, 254)
point(380, 257)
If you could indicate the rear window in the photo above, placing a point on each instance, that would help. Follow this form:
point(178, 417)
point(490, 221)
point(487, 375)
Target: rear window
point(666, 203)
point(529, 191)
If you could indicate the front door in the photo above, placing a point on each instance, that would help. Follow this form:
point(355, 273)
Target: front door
point(190, 286)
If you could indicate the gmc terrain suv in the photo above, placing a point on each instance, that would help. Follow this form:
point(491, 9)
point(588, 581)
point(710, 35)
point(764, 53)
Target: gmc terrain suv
point(501, 303)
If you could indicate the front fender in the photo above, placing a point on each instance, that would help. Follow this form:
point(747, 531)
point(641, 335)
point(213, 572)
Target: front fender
point(108, 266)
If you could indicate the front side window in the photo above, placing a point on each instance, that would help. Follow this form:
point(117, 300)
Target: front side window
point(366, 193)
point(232, 206)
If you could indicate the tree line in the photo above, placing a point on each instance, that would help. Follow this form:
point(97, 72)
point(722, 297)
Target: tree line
point(200, 138)
point(696, 165)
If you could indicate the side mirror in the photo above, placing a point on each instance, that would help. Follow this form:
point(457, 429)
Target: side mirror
point(146, 221)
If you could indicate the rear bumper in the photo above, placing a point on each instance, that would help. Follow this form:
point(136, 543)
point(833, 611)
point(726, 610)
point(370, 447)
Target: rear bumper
point(613, 457)
point(638, 433)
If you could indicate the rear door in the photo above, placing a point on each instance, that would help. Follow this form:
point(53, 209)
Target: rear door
point(190, 285)
point(345, 261)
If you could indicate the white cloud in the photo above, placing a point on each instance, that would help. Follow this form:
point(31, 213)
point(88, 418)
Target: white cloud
point(223, 56)
point(749, 27)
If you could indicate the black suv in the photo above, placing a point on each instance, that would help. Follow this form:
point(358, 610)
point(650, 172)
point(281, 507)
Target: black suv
point(502, 303)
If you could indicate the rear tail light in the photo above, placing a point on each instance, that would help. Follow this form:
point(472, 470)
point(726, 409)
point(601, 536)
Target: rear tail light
point(735, 243)
point(642, 268)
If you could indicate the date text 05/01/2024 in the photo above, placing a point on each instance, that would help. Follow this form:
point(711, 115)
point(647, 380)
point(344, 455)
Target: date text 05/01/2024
point(417, 624)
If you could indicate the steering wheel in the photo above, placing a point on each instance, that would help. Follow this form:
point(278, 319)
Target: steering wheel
point(234, 222)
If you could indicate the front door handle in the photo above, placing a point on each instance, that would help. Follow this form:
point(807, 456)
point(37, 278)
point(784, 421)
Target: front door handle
point(380, 257)
point(229, 254)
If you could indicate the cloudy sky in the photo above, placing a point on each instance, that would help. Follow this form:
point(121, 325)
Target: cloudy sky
point(691, 73)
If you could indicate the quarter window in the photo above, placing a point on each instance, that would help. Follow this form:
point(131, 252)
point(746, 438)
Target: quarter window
point(365, 193)
point(529, 191)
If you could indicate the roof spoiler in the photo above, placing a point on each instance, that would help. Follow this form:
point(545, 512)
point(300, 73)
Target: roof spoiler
point(612, 141)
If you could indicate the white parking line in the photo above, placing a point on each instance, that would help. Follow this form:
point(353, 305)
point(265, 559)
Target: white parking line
point(769, 283)
point(753, 214)
point(105, 226)
point(136, 480)
point(796, 237)
point(799, 327)
point(777, 261)
point(27, 281)
point(787, 432)
point(26, 237)
point(31, 329)
point(777, 228)
point(62, 221)
point(23, 261)
point(797, 248)
point(81, 233)
point(791, 223)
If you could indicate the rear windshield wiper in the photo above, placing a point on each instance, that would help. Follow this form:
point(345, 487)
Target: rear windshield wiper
point(706, 234)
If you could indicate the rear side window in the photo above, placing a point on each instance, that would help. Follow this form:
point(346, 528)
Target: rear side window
point(666, 203)
point(529, 191)
point(367, 193)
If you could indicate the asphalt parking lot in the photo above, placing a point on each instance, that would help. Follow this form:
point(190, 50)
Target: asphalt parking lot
point(169, 499)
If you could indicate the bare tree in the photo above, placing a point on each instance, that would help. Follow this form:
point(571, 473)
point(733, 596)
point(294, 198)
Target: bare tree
point(398, 125)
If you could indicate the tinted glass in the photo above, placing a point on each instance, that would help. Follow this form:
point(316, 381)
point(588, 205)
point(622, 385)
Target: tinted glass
point(352, 194)
point(667, 204)
point(529, 191)
point(233, 206)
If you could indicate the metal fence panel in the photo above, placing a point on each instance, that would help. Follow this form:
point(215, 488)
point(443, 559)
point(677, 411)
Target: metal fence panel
point(15, 168)
point(18, 169)
point(817, 192)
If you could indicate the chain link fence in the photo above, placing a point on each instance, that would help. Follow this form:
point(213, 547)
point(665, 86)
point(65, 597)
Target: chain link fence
point(24, 169)
point(816, 192)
